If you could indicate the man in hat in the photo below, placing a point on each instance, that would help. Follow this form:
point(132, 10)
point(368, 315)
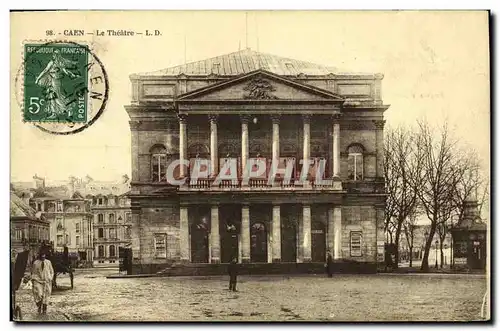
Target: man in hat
point(233, 274)
point(329, 264)
point(42, 274)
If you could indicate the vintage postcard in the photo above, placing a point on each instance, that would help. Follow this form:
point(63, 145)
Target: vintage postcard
point(250, 166)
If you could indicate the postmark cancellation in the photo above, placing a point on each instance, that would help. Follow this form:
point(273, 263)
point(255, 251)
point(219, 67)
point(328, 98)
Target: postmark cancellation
point(63, 86)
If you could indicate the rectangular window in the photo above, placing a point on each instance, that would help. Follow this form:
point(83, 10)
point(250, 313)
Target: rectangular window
point(128, 217)
point(112, 233)
point(100, 233)
point(59, 240)
point(68, 239)
point(77, 241)
point(161, 245)
point(99, 201)
point(59, 206)
point(77, 227)
point(356, 239)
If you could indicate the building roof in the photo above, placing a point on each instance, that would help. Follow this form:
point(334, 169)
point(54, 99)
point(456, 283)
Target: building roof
point(96, 188)
point(243, 62)
point(18, 208)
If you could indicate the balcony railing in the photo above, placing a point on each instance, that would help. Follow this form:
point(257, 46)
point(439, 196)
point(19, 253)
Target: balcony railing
point(202, 184)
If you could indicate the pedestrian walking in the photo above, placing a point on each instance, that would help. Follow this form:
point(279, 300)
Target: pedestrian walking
point(42, 274)
point(233, 274)
point(329, 264)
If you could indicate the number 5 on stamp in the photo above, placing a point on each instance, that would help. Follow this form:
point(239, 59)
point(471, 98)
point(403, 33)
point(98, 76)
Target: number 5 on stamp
point(55, 83)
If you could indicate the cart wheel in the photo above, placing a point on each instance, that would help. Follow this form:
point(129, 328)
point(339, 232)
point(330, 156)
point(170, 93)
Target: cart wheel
point(17, 314)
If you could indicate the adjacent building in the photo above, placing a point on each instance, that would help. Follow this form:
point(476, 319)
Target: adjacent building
point(111, 214)
point(254, 107)
point(89, 217)
point(28, 229)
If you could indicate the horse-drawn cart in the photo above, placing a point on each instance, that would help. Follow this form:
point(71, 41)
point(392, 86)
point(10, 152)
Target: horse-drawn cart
point(17, 273)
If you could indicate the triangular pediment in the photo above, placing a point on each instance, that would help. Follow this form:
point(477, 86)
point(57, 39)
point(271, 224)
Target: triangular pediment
point(259, 85)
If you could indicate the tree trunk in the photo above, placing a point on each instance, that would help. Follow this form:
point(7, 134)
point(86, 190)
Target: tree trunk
point(397, 237)
point(411, 256)
point(427, 248)
point(441, 251)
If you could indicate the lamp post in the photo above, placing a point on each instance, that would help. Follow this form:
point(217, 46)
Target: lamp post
point(436, 254)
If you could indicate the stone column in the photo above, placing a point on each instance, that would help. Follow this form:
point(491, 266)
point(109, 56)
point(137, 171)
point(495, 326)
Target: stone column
point(337, 228)
point(276, 234)
point(330, 231)
point(306, 233)
point(380, 233)
point(184, 234)
point(245, 234)
point(379, 140)
point(336, 146)
point(276, 137)
point(136, 232)
point(182, 143)
point(213, 145)
point(215, 235)
point(134, 127)
point(244, 143)
point(306, 149)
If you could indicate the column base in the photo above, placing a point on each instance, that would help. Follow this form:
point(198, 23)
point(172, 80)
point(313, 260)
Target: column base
point(215, 261)
point(336, 178)
point(276, 260)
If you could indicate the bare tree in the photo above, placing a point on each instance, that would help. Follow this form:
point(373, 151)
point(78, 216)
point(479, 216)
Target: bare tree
point(402, 167)
point(440, 174)
point(409, 228)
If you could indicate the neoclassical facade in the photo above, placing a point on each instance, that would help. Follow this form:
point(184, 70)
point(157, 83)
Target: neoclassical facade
point(244, 108)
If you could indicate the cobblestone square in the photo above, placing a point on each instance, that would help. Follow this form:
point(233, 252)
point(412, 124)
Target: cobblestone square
point(384, 297)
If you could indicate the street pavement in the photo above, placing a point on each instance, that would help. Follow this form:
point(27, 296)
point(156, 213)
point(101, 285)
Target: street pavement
point(383, 297)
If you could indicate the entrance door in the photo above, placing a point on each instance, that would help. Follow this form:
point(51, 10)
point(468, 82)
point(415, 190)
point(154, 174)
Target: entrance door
point(199, 243)
point(258, 243)
point(229, 242)
point(288, 242)
point(318, 240)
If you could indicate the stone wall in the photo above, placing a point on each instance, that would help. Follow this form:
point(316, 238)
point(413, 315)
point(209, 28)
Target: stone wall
point(363, 219)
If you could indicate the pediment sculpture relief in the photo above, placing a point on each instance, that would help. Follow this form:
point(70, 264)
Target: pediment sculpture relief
point(259, 88)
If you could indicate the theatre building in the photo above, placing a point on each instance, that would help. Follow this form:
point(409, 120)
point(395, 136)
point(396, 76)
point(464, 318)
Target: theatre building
point(250, 107)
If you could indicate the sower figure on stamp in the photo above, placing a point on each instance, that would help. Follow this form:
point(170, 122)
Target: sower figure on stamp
point(51, 79)
point(42, 274)
point(233, 274)
point(329, 264)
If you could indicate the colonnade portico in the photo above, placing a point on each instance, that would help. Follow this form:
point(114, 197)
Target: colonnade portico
point(275, 143)
point(333, 235)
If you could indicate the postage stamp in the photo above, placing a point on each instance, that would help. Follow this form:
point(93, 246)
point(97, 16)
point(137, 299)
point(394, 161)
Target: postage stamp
point(64, 86)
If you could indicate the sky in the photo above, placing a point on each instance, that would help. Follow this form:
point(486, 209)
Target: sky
point(436, 66)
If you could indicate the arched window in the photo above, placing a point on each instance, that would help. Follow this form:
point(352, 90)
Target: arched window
point(112, 218)
point(112, 251)
point(355, 162)
point(100, 251)
point(100, 218)
point(158, 162)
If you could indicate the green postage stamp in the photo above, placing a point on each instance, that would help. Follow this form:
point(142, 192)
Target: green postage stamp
point(56, 83)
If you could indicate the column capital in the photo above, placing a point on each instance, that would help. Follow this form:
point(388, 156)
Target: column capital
point(306, 118)
point(379, 124)
point(275, 118)
point(336, 118)
point(245, 118)
point(213, 118)
point(182, 118)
